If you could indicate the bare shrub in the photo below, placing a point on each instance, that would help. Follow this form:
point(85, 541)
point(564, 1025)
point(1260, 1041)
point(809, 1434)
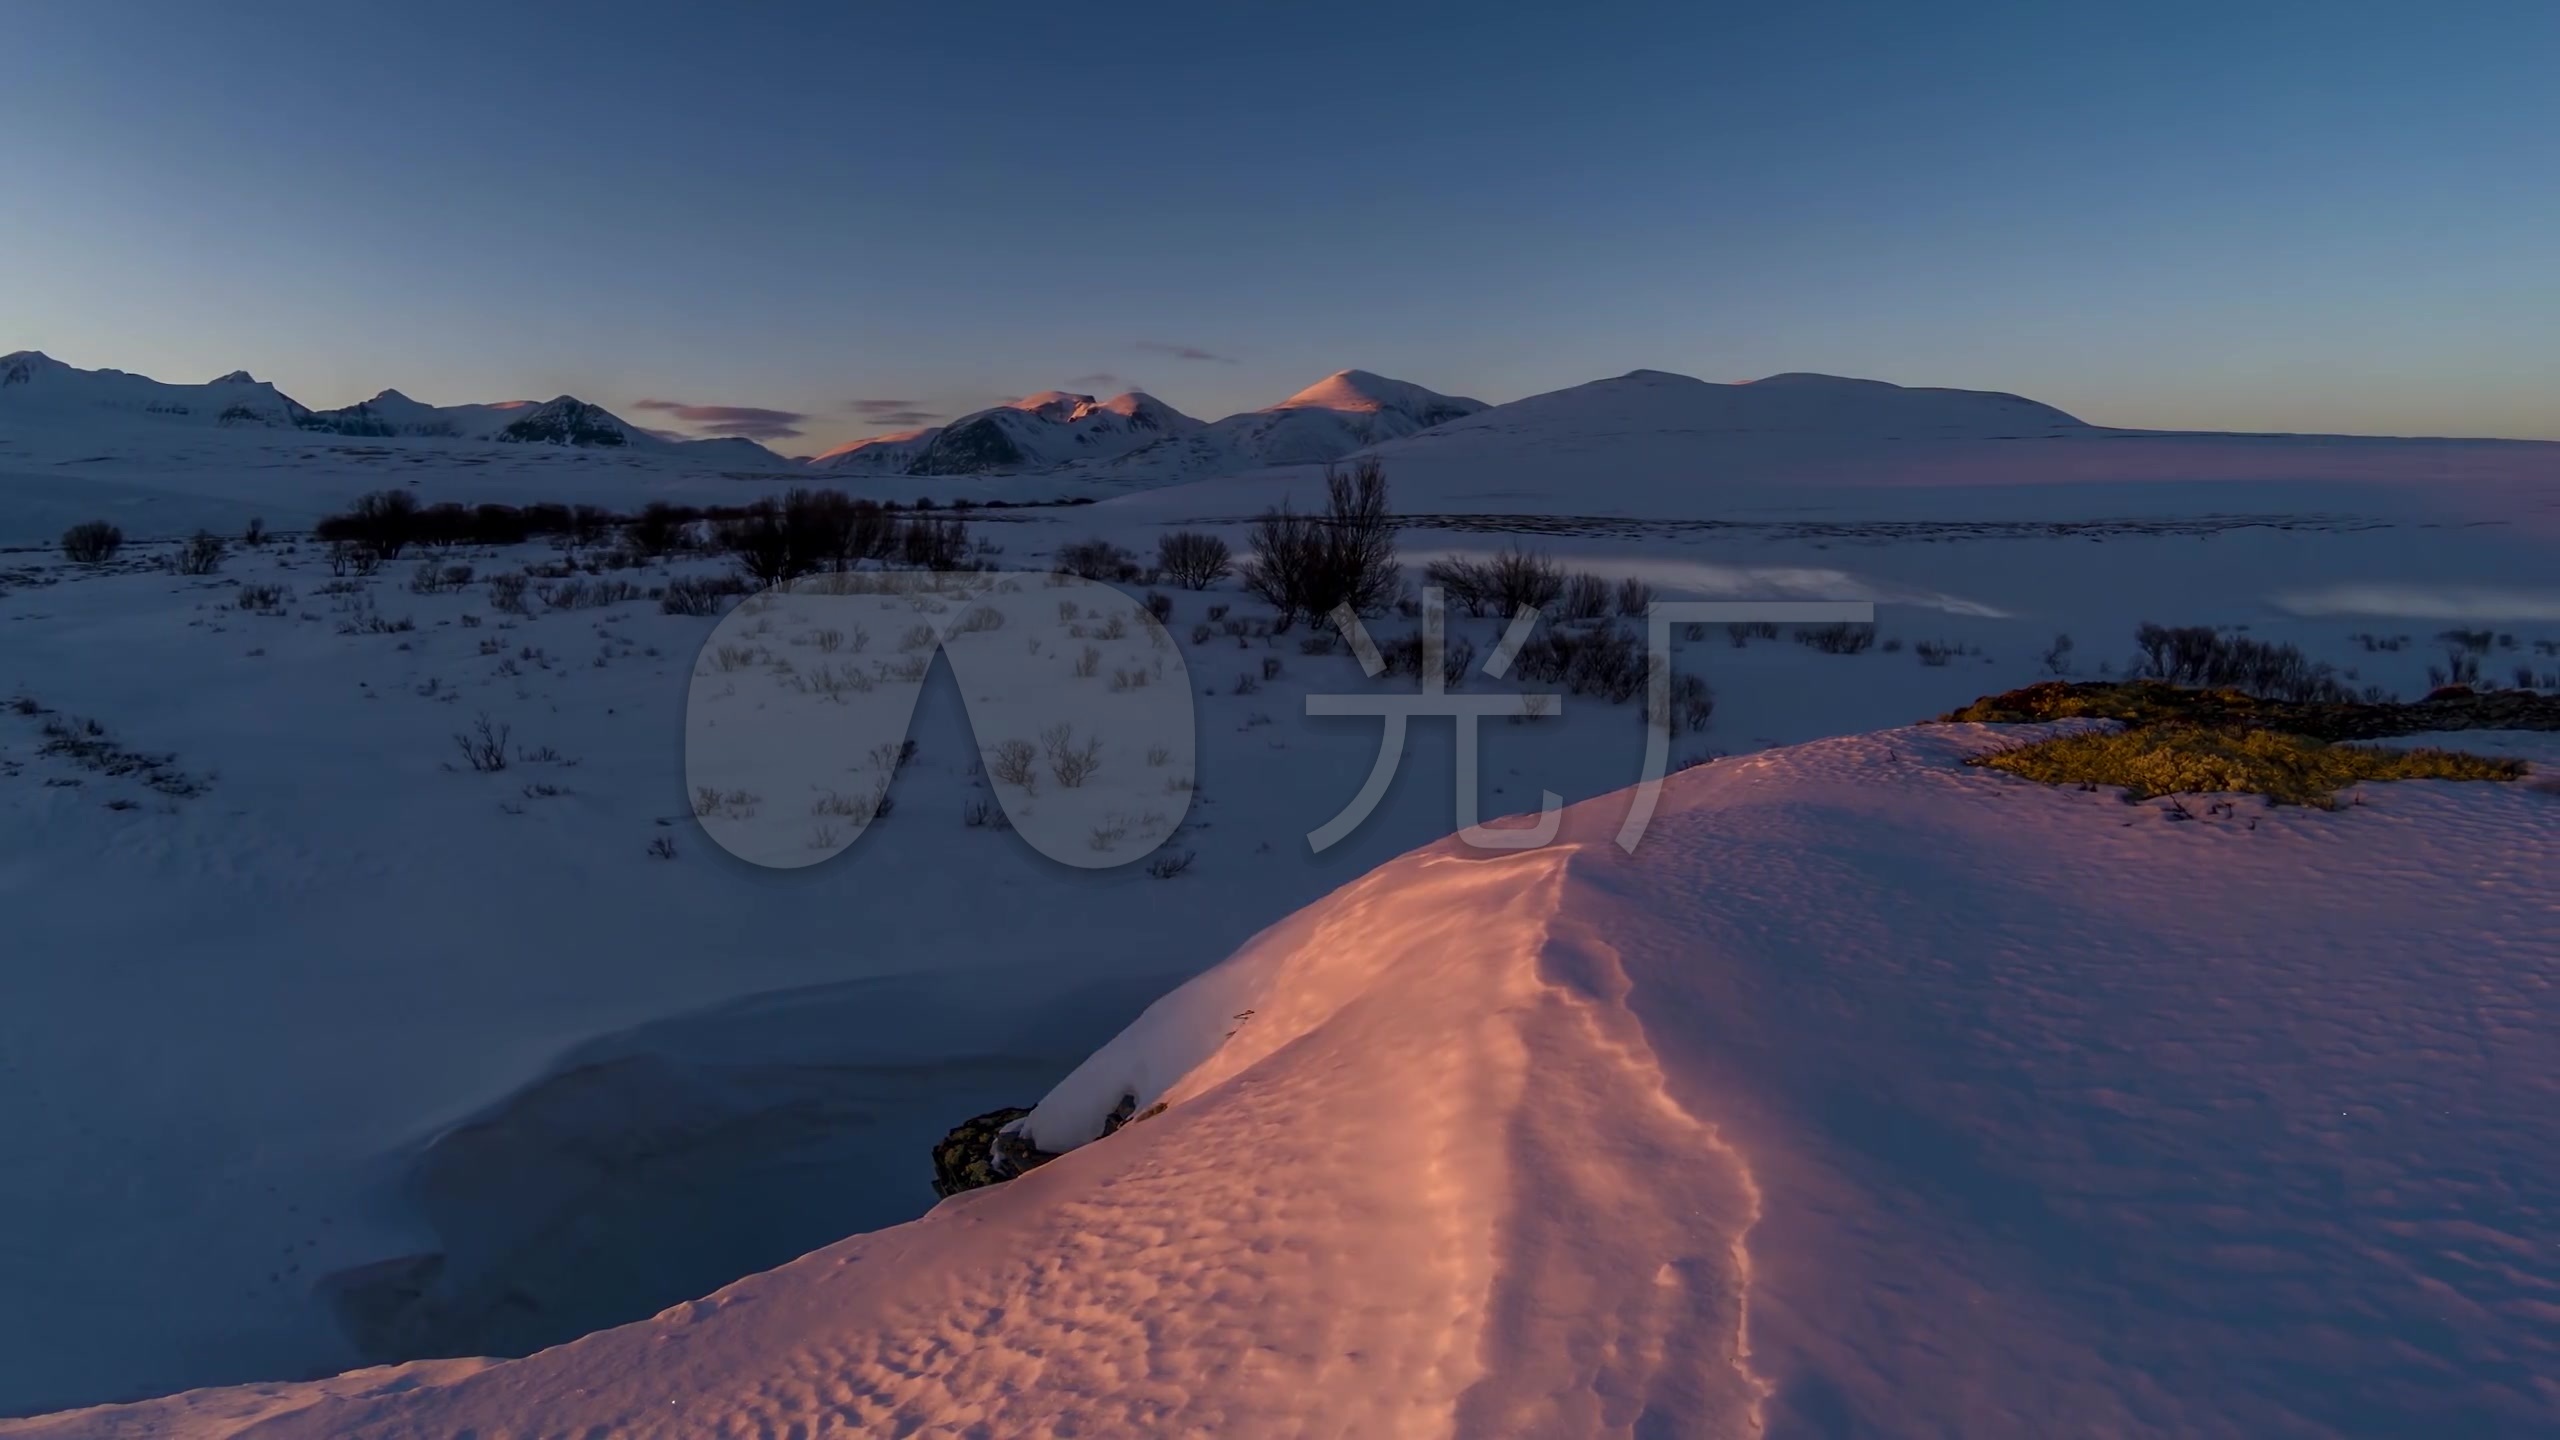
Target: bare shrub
point(1635, 597)
point(484, 745)
point(1585, 597)
point(1088, 663)
point(1685, 704)
point(1313, 564)
point(1070, 764)
point(2200, 655)
point(700, 594)
point(1096, 560)
point(978, 618)
point(1165, 864)
point(1193, 559)
point(1603, 660)
point(201, 555)
point(1159, 606)
point(384, 522)
point(1014, 762)
point(93, 542)
point(1743, 632)
point(1838, 638)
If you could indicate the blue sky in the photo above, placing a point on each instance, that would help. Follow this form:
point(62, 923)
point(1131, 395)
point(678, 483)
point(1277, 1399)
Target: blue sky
point(2335, 216)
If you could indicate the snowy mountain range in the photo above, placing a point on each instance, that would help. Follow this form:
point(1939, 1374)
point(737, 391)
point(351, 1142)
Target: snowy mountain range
point(1137, 434)
point(32, 382)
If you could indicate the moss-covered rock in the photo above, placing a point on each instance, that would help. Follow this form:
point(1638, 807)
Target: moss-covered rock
point(2177, 758)
point(966, 1158)
point(2152, 702)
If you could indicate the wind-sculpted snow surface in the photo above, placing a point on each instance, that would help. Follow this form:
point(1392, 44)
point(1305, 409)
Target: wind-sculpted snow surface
point(1874, 1094)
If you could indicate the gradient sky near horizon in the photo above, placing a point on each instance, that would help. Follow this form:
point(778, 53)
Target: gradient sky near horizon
point(2279, 216)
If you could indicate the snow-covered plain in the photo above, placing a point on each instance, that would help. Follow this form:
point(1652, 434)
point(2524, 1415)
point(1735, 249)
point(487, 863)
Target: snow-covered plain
point(1873, 1094)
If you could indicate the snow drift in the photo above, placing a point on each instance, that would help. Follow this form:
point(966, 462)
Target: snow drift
point(1871, 1094)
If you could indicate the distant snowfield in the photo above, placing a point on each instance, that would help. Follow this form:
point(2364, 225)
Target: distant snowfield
point(1871, 1094)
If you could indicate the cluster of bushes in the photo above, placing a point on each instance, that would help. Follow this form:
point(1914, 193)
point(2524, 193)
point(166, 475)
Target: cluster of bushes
point(1504, 583)
point(2202, 656)
point(388, 522)
point(809, 531)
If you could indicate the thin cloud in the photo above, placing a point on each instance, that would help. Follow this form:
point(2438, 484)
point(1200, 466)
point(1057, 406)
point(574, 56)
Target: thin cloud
point(1184, 352)
point(1099, 380)
point(746, 422)
point(892, 412)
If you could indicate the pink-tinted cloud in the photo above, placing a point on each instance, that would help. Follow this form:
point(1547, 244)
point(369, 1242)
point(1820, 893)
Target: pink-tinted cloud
point(1183, 352)
point(749, 422)
point(893, 412)
point(1099, 380)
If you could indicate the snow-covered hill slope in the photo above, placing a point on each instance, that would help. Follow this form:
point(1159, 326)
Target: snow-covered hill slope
point(34, 384)
point(1048, 430)
point(1342, 413)
point(892, 454)
point(1872, 1094)
point(1655, 446)
point(161, 460)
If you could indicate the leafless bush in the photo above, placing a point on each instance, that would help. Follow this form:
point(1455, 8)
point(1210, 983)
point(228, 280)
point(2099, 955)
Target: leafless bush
point(384, 522)
point(432, 578)
point(1193, 559)
point(1603, 660)
point(2200, 655)
point(484, 745)
point(1635, 597)
point(1457, 656)
point(662, 848)
point(1159, 606)
point(1014, 762)
point(1743, 632)
point(1312, 564)
point(1838, 638)
point(2057, 656)
point(1070, 764)
point(201, 555)
point(1165, 864)
point(978, 618)
point(93, 542)
point(1096, 560)
point(254, 534)
point(1585, 597)
point(1088, 663)
point(266, 599)
point(698, 594)
point(1686, 704)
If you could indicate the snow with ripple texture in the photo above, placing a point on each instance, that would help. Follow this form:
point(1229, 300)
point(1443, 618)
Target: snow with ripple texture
point(1874, 1094)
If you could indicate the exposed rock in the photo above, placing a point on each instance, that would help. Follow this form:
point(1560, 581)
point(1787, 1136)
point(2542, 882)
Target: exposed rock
point(977, 1152)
